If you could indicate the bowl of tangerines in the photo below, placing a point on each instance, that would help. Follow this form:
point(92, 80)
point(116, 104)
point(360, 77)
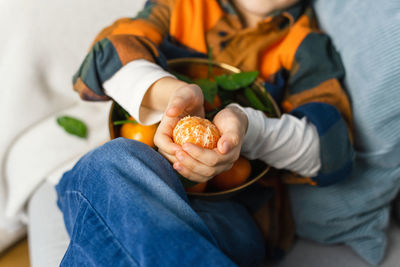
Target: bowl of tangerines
point(221, 84)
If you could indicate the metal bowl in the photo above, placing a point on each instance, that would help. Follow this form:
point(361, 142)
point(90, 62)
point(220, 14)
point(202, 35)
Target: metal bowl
point(197, 68)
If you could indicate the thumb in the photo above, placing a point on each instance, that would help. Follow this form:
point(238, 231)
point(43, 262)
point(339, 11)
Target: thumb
point(228, 141)
point(231, 128)
point(176, 106)
point(185, 99)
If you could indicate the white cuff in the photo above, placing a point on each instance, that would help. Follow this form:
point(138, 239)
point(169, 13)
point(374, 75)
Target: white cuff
point(129, 85)
point(285, 143)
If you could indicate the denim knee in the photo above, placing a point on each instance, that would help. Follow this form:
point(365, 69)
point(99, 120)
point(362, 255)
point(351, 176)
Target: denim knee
point(137, 160)
point(119, 161)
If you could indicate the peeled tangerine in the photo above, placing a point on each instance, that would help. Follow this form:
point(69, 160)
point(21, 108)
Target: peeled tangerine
point(204, 133)
point(196, 130)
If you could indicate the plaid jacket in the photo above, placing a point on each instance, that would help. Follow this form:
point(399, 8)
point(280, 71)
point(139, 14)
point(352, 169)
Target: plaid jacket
point(299, 64)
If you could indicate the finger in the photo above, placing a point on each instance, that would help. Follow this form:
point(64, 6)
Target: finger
point(194, 165)
point(163, 139)
point(183, 111)
point(231, 124)
point(185, 172)
point(177, 106)
point(186, 99)
point(169, 157)
point(201, 174)
point(164, 142)
point(209, 157)
point(228, 141)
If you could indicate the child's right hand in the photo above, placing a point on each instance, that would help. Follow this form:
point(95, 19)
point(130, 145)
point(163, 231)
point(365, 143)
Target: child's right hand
point(186, 100)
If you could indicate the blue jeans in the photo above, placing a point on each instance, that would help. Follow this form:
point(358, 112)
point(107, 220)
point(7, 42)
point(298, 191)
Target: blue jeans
point(124, 205)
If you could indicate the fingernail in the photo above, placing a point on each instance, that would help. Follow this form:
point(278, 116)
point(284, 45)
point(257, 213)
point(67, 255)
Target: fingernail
point(225, 147)
point(170, 112)
point(177, 167)
point(179, 156)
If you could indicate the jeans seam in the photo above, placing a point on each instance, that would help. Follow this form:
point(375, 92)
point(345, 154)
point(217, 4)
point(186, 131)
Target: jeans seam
point(104, 223)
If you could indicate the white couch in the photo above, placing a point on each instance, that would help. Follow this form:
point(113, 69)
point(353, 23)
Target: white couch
point(43, 44)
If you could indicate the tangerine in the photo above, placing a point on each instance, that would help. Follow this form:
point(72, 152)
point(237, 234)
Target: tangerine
point(139, 132)
point(198, 188)
point(235, 176)
point(196, 130)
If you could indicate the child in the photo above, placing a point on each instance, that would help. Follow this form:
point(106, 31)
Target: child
point(302, 71)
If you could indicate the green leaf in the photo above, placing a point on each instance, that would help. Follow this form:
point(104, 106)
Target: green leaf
point(120, 112)
point(209, 88)
point(126, 114)
point(73, 126)
point(237, 80)
point(254, 101)
point(226, 82)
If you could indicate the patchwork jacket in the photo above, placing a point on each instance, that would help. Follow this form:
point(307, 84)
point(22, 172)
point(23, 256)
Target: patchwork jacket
point(300, 66)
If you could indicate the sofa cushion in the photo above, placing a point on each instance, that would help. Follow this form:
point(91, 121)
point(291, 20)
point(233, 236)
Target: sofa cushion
point(307, 253)
point(43, 44)
point(356, 211)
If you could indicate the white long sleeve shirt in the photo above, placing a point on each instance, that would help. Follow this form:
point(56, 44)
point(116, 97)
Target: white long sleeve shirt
point(284, 143)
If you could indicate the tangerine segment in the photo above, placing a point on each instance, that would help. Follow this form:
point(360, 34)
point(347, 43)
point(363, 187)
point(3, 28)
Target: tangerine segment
point(196, 130)
point(234, 177)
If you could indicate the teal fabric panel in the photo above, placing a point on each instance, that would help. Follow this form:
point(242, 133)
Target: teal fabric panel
point(100, 64)
point(316, 61)
point(336, 151)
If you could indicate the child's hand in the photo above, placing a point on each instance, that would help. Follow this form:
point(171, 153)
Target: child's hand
point(186, 100)
point(199, 164)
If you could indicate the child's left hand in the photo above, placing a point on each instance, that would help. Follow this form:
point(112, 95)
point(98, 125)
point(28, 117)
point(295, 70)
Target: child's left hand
point(199, 164)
